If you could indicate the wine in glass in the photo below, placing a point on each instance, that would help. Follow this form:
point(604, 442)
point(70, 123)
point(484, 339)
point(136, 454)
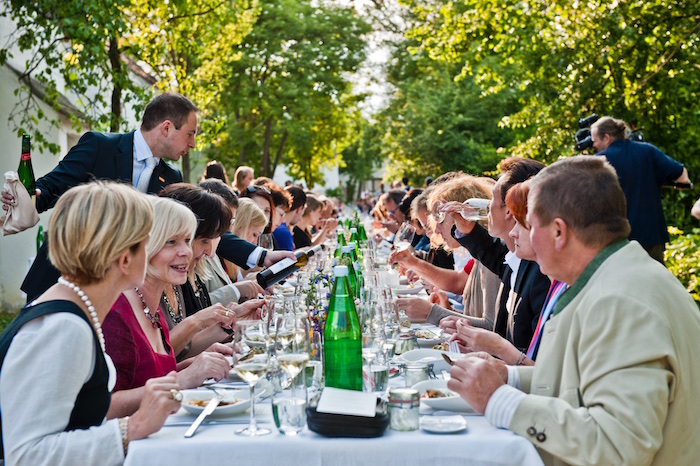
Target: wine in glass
point(265, 241)
point(250, 363)
point(475, 209)
point(292, 348)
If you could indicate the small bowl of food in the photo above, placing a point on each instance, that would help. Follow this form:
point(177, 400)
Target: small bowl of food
point(435, 394)
point(235, 402)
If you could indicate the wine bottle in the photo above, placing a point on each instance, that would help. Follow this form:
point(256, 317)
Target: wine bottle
point(284, 268)
point(25, 170)
point(342, 337)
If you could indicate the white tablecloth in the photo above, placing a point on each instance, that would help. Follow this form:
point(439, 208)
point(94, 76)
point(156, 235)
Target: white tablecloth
point(481, 444)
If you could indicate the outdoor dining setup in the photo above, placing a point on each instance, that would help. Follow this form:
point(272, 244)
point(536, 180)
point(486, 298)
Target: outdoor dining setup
point(337, 373)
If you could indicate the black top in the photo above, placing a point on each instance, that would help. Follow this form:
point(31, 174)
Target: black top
point(439, 257)
point(92, 402)
point(194, 303)
point(301, 238)
point(530, 289)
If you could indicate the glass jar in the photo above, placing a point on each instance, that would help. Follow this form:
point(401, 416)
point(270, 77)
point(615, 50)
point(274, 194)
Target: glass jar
point(404, 404)
point(415, 372)
point(405, 343)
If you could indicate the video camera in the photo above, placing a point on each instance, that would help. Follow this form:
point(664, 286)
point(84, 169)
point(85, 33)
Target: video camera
point(583, 135)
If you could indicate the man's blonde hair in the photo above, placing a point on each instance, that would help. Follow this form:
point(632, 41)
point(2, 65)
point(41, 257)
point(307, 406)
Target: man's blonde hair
point(92, 224)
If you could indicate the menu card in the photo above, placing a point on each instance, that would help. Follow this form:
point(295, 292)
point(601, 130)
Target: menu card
point(349, 402)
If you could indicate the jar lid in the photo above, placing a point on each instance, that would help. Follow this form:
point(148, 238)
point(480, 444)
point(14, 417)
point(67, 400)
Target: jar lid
point(416, 366)
point(403, 395)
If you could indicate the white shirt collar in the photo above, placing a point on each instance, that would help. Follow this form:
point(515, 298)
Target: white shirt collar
point(513, 262)
point(141, 149)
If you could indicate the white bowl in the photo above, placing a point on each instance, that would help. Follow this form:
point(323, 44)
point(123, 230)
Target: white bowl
point(240, 399)
point(407, 289)
point(448, 403)
point(425, 355)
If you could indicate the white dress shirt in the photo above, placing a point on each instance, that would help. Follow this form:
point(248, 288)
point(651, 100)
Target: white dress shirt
point(141, 153)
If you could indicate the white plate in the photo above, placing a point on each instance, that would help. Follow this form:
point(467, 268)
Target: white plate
point(407, 289)
point(448, 403)
point(242, 394)
point(427, 338)
point(424, 355)
point(443, 424)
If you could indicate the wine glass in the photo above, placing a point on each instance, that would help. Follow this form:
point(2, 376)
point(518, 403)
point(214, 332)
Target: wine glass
point(475, 209)
point(437, 213)
point(404, 236)
point(265, 241)
point(292, 345)
point(250, 362)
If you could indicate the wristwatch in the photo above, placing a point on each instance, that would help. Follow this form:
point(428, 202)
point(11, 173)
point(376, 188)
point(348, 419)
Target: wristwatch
point(261, 261)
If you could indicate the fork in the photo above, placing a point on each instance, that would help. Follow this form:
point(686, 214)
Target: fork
point(453, 347)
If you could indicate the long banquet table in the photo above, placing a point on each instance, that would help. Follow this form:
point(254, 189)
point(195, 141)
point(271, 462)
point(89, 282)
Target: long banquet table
point(480, 444)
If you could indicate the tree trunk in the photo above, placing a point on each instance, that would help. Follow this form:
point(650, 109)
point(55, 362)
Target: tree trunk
point(241, 152)
point(279, 152)
point(116, 64)
point(265, 160)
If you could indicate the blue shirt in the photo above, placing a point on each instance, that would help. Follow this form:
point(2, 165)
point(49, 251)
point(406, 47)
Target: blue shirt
point(284, 238)
point(642, 168)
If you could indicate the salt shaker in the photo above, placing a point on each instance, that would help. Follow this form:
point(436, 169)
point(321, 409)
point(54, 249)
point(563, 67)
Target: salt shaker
point(403, 409)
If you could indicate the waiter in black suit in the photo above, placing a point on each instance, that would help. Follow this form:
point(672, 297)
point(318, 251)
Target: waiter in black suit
point(168, 130)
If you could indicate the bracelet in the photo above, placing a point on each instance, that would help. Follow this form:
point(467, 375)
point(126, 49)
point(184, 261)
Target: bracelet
point(124, 429)
point(521, 358)
point(261, 260)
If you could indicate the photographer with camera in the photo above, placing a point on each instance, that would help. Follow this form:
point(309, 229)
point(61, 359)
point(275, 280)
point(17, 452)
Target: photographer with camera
point(642, 169)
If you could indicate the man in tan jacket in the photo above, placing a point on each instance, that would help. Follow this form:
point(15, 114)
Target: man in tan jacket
point(616, 380)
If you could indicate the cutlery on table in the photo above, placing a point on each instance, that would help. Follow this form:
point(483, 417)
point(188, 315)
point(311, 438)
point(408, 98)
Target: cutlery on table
point(211, 406)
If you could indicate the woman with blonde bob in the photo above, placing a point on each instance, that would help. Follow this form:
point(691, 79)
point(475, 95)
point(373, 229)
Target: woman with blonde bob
point(249, 224)
point(53, 352)
point(137, 331)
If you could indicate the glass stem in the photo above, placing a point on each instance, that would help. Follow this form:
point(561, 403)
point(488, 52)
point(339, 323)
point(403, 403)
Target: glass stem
point(253, 424)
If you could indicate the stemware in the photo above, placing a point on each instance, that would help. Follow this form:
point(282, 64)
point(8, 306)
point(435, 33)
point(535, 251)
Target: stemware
point(292, 352)
point(250, 362)
point(404, 236)
point(475, 209)
point(265, 241)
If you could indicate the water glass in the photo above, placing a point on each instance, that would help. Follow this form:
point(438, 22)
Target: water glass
point(289, 411)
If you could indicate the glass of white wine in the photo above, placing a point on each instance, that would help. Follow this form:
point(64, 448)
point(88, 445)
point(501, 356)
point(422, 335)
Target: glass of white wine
point(250, 362)
point(475, 209)
point(404, 236)
point(292, 350)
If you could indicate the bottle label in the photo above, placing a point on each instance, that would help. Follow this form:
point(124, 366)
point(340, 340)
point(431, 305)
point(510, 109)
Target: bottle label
point(25, 156)
point(281, 265)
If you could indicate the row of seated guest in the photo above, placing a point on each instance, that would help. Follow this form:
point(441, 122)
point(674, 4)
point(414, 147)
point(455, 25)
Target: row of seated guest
point(99, 234)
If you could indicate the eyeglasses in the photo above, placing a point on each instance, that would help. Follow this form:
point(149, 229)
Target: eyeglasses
point(252, 189)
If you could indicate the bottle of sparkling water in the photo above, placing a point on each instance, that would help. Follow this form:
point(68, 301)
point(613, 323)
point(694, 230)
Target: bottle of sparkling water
point(342, 337)
point(348, 260)
point(25, 171)
point(341, 242)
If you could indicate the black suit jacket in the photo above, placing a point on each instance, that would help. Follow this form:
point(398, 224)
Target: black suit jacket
point(530, 288)
point(96, 156)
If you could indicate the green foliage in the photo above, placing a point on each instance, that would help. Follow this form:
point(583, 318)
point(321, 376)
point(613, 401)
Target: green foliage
point(683, 259)
point(637, 60)
point(286, 95)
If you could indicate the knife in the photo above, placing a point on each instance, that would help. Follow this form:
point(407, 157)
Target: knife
point(211, 406)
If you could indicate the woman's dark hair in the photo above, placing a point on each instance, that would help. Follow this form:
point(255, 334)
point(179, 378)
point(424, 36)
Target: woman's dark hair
point(405, 205)
point(215, 170)
point(280, 197)
point(216, 186)
point(213, 215)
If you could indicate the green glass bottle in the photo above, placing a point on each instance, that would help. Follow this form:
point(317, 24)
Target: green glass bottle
point(348, 223)
point(362, 234)
point(353, 235)
point(341, 242)
point(25, 170)
point(348, 260)
point(342, 337)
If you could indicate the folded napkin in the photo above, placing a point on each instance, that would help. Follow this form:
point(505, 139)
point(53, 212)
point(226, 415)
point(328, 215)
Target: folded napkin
point(22, 214)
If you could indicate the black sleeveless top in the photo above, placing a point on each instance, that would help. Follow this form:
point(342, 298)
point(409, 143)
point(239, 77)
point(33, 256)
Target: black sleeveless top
point(92, 402)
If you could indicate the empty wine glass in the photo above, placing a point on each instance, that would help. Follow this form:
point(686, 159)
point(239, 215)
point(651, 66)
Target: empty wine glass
point(265, 241)
point(250, 362)
point(437, 212)
point(404, 236)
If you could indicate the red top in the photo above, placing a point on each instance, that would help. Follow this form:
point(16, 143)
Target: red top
point(132, 353)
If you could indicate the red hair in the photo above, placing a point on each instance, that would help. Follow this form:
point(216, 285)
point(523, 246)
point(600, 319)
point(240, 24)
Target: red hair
point(516, 201)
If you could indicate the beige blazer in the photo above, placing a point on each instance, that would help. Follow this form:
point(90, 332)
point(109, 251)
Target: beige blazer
point(617, 379)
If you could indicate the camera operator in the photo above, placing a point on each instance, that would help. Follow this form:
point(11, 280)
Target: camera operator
point(642, 169)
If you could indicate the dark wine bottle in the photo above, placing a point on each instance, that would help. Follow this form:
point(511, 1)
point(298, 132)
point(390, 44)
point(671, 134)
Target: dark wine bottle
point(284, 268)
point(25, 170)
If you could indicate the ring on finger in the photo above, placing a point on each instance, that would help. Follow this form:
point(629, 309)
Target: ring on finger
point(176, 394)
point(227, 312)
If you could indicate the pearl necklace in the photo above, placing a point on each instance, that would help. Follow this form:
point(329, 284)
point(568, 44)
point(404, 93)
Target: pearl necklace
point(91, 309)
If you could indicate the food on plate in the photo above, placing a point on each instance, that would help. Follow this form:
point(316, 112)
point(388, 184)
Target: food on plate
point(437, 393)
point(204, 403)
point(441, 347)
point(406, 323)
point(425, 334)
